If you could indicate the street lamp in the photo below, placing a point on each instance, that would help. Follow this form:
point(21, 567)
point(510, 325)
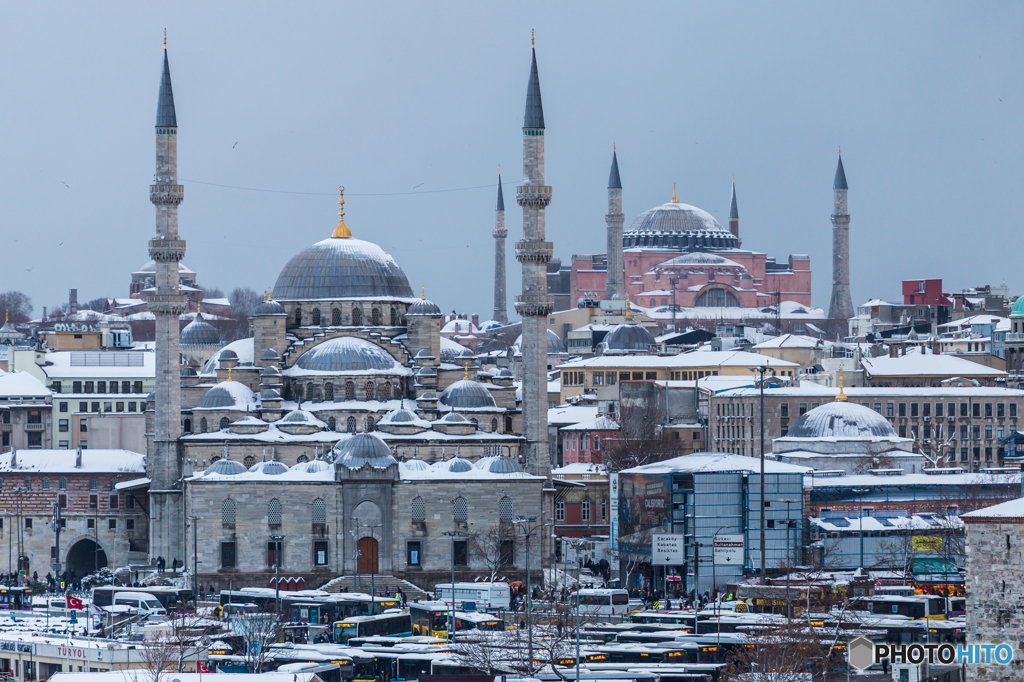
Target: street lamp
point(277, 571)
point(373, 588)
point(761, 370)
point(789, 606)
point(528, 526)
point(452, 534)
point(576, 545)
point(195, 559)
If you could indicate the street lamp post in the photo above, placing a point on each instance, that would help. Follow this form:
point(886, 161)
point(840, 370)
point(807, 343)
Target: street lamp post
point(528, 526)
point(452, 534)
point(277, 571)
point(576, 545)
point(789, 571)
point(373, 570)
point(195, 559)
point(56, 530)
point(761, 371)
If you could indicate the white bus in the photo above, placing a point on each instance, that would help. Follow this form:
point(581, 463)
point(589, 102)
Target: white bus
point(602, 602)
point(485, 596)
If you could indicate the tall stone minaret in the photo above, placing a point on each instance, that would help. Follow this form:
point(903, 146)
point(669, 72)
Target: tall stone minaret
point(615, 289)
point(841, 307)
point(164, 462)
point(500, 296)
point(734, 215)
point(534, 305)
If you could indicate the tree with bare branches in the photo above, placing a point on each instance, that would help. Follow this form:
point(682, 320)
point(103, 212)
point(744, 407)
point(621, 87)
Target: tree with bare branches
point(494, 548)
point(641, 441)
point(259, 631)
point(788, 652)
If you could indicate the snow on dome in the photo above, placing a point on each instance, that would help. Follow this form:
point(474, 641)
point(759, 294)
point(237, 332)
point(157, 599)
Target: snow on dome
point(499, 464)
point(225, 467)
point(361, 449)
point(450, 350)
point(22, 385)
point(466, 393)
point(676, 217)
point(628, 336)
point(151, 267)
point(841, 420)
point(341, 268)
point(270, 394)
point(455, 465)
point(271, 468)
point(414, 465)
point(346, 354)
point(701, 258)
point(399, 416)
point(301, 416)
point(269, 308)
point(243, 349)
point(453, 418)
point(229, 394)
point(423, 307)
point(199, 332)
point(554, 343)
point(312, 467)
point(488, 325)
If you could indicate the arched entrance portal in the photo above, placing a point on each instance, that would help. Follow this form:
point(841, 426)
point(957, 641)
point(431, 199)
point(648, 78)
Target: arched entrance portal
point(84, 557)
point(368, 554)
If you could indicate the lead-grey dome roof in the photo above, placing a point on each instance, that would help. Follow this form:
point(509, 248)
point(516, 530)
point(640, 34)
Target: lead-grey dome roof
point(455, 465)
point(311, 467)
point(841, 420)
point(269, 308)
point(342, 268)
point(423, 307)
point(499, 464)
point(467, 393)
point(701, 258)
point(225, 467)
point(271, 468)
point(677, 226)
point(199, 332)
point(361, 449)
point(629, 336)
point(554, 343)
point(230, 394)
point(346, 354)
point(399, 416)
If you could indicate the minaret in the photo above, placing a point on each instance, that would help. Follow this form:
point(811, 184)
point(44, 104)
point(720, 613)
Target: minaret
point(615, 289)
point(534, 305)
point(164, 463)
point(500, 295)
point(734, 215)
point(841, 307)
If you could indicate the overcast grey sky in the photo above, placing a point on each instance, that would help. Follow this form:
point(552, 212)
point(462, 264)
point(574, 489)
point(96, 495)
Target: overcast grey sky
point(924, 98)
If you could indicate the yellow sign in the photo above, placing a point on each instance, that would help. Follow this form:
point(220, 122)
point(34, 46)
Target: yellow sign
point(926, 544)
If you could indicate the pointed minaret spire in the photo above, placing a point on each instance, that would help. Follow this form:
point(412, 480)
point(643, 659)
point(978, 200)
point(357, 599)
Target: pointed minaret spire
point(165, 102)
point(840, 181)
point(734, 215)
point(534, 117)
point(499, 234)
point(841, 306)
point(614, 288)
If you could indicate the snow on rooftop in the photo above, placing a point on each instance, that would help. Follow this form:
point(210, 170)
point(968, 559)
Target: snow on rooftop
point(416, 473)
point(791, 341)
point(63, 461)
point(900, 480)
point(914, 363)
point(571, 414)
point(709, 462)
point(1014, 509)
point(126, 364)
point(578, 468)
point(21, 385)
point(600, 423)
point(721, 358)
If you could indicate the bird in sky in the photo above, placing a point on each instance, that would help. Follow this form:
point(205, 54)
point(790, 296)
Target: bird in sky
point(65, 184)
point(419, 185)
point(234, 145)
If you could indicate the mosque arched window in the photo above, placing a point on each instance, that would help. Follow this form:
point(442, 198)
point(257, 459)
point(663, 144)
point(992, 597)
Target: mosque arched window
point(335, 316)
point(301, 458)
point(274, 512)
point(187, 426)
point(202, 425)
point(357, 317)
point(505, 508)
point(249, 461)
point(384, 391)
point(460, 511)
point(298, 317)
point(350, 390)
point(419, 509)
point(396, 391)
point(350, 425)
point(375, 317)
point(46, 484)
point(319, 510)
point(716, 298)
point(310, 391)
point(298, 391)
point(315, 317)
point(224, 422)
point(227, 512)
point(394, 317)
point(332, 424)
point(494, 425)
point(369, 390)
point(329, 391)
point(63, 483)
point(369, 424)
point(508, 424)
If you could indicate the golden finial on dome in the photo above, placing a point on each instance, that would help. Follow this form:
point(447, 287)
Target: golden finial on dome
point(629, 310)
point(341, 231)
point(423, 293)
point(270, 294)
point(229, 374)
point(675, 199)
point(532, 46)
point(841, 398)
point(466, 377)
point(165, 38)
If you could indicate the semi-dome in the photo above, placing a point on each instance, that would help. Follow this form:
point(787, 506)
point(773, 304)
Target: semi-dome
point(268, 308)
point(225, 467)
point(453, 418)
point(346, 354)
point(361, 449)
point(270, 371)
point(554, 343)
point(271, 468)
point(841, 419)
point(342, 268)
point(628, 336)
point(467, 393)
point(270, 354)
point(199, 332)
point(701, 258)
point(677, 226)
point(300, 416)
point(229, 395)
point(499, 464)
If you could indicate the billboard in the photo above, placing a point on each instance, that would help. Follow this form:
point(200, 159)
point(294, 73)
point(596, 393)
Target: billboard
point(926, 543)
point(644, 503)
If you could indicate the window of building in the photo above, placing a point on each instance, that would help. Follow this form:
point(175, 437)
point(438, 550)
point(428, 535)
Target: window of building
point(963, 432)
point(459, 549)
point(63, 407)
point(585, 511)
point(274, 512)
point(224, 423)
point(55, 386)
point(976, 410)
point(76, 386)
point(319, 511)
point(459, 509)
point(63, 483)
point(926, 410)
point(913, 410)
point(889, 409)
point(604, 509)
point(94, 502)
point(227, 555)
point(1000, 410)
point(988, 409)
point(610, 378)
point(129, 524)
point(598, 379)
point(62, 500)
point(412, 553)
point(375, 317)
point(111, 524)
point(988, 454)
point(963, 409)
point(903, 431)
point(273, 553)
point(350, 424)
point(784, 410)
point(419, 509)
point(90, 524)
point(28, 522)
point(83, 407)
point(505, 508)
point(119, 406)
point(332, 424)
point(1013, 409)
point(35, 439)
point(357, 317)
point(903, 409)
point(963, 454)
point(977, 453)
point(803, 409)
point(938, 409)
point(560, 511)
point(976, 431)
point(320, 553)
point(369, 424)
point(137, 387)
point(315, 317)
point(227, 512)
point(63, 444)
point(988, 433)
point(335, 316)
point(114, 502)
point(129, 501)
point(90, 387)
point(101, 387)
point(83, 426)
point(113, 387)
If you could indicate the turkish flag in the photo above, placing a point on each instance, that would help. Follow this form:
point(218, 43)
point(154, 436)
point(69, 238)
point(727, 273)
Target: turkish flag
point(200, 668)
point(74, 603)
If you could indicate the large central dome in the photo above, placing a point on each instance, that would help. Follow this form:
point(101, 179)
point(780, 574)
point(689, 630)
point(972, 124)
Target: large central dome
point(343, 267)
point(677, 226)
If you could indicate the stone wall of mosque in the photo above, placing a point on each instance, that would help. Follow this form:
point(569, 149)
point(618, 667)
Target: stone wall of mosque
point(995, 594)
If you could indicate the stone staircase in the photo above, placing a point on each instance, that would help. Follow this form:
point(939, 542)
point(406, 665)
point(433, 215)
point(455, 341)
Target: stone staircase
point(382, 584)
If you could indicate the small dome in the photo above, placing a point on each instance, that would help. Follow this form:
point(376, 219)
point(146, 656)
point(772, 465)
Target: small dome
point(268, 308)
point(429, 395)
point(489, 325)
point(455, 465)
point(414, 465)
point(312, 467)
point(1018, 307)
point(229, 394)
point(453, 418)
point(423, 307)
point(424, 354)
point(187, 372)
point(241, 351)
point(504, 372)
point(841, 420)
point(199, 332)
point(499, 464)
point(301, 417)
point(228, 354)
point(450, 350)
point(467, 393)
point(459, 326)
point(225, 467)
point(271, 468)
point(629, 336)
point(361, 449)
point(554, 343)
point(341, 268)
point(270, 371)
point(270, 354)
point(400, 416)
point(270, 394)
point(426, 371)
point(346, 354)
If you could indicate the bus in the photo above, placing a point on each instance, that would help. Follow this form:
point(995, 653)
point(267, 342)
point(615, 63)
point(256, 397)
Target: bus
point(171, 598)
point(16, 598)
point(433, 618)
point(929, 607)
point(602, 602)
point(485, 596)
point(386, 624)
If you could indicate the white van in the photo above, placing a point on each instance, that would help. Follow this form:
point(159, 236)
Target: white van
point(141, 602)
point(485, 596)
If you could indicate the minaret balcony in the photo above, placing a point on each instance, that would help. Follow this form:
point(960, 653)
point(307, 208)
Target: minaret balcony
point(166, 250)
point(528, 251)
point(167, 304)
point(500, 234)
point(530, 305)
point(534, 196)
point(166, 195)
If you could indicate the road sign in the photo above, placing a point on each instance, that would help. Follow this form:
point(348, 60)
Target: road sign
point(668, 550)
point(728, 550)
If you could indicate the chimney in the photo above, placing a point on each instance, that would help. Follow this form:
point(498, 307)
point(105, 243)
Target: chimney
point(73, 302)
point(14, 458)
point(44, 312)
point(476, 320)
point(78, 457)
